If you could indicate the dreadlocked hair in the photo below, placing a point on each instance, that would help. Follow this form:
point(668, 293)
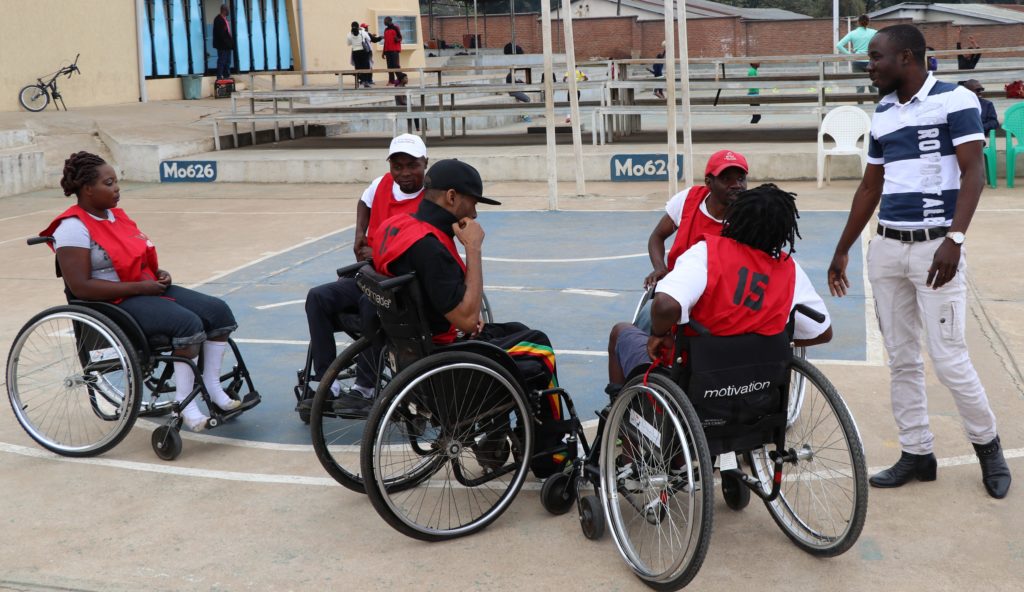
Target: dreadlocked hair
point(80, 169)
point(764, 218)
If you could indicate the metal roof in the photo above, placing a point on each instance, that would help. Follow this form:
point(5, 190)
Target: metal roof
point(994, 13)
point(708, 9)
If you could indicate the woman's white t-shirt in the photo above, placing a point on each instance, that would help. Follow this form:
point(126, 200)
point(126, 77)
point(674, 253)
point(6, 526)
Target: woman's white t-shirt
point(72, 232)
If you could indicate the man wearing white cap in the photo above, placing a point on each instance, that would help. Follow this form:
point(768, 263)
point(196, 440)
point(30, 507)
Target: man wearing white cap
point(396, 192)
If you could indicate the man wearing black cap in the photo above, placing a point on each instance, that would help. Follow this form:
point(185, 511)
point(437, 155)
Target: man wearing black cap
point(424, 243)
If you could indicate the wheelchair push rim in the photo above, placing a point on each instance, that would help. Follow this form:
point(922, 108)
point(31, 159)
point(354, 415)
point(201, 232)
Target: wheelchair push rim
point(822, 501)
point(656, 473)
point(73, 381)
point(440, 414)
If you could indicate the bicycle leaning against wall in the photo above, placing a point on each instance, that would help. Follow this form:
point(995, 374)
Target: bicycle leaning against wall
point(36, 97)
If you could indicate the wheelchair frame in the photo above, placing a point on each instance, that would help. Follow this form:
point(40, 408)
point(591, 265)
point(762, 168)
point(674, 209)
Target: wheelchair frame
point(138, 357)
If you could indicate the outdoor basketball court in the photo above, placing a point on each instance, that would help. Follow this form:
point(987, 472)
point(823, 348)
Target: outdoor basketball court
point(570, 274)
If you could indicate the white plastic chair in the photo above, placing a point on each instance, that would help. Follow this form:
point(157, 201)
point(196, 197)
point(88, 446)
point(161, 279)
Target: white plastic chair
point(846, 125)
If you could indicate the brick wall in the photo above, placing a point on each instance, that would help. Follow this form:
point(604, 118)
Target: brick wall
point(619, 37)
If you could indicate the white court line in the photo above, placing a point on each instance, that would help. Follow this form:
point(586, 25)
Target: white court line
point(277, 304)
point(600, 293)
point(166, 469)
point(308, 241)
point(577, 260)
point(29, 214)
point(18, 238)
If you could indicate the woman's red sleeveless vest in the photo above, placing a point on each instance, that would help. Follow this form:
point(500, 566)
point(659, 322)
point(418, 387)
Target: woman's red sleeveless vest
point(130, 250)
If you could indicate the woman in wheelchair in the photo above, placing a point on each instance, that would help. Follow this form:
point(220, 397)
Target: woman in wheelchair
point(736, 283)
point(103, 256)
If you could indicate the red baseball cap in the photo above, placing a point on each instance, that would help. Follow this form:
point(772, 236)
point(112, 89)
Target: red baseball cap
point(724, 159)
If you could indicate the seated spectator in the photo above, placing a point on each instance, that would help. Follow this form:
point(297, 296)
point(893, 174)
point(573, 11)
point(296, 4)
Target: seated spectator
point(966, 61)
point(104, 257)
point(989, 118)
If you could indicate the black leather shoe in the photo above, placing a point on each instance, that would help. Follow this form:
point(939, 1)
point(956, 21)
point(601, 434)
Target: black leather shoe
point(909, 467)
point(994, 472)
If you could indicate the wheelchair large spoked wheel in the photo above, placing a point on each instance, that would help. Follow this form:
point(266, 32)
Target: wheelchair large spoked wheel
point(656, 482)
point(73, 381)
point(824, 495)
point(464, 419)
point(337, 432)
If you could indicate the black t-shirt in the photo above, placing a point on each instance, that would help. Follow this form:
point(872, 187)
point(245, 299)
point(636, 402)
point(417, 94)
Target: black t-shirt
point(439, 275)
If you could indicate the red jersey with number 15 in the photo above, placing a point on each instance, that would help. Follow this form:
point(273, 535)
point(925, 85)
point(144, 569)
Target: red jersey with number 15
point(693, 224)
point(748, 291)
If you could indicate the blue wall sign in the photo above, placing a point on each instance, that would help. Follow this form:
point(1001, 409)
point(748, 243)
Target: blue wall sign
point(188, 171)
point(643, 167)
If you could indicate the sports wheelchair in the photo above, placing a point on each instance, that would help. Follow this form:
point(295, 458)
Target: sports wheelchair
point(652, 461)
point(75, 377)
point(336, 431)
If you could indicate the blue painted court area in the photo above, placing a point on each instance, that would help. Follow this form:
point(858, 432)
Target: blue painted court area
point(570, 274)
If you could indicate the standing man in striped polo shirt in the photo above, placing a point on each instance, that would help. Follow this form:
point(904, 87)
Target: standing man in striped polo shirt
point(925, 167)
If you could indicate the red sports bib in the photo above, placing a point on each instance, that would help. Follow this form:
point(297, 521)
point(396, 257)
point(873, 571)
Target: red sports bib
point(748, 291)
point(391, 239)
point(693, 224)
point(131, 252)
point(385, 205)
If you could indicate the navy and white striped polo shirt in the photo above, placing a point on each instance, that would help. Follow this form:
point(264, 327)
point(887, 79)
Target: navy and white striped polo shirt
point(916, 142)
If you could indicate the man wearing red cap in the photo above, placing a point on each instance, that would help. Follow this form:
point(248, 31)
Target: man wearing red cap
point(690, 214)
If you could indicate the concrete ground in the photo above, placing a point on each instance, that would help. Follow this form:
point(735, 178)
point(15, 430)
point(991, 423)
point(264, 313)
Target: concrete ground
point(228, 515)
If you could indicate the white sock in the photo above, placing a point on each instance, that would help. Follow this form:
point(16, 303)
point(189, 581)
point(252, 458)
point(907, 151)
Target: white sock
point(184, 380)
point(213, 358)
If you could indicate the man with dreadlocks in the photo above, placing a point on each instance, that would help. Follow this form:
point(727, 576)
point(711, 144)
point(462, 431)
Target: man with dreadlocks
point(744, 281)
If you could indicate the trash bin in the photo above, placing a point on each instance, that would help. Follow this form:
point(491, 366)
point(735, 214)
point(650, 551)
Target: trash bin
point(192, 86)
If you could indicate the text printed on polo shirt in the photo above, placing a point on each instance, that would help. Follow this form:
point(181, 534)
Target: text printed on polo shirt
point(931, 172)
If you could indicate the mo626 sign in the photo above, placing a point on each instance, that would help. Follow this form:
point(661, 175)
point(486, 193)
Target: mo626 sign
point(643, 167)
point(188, 171)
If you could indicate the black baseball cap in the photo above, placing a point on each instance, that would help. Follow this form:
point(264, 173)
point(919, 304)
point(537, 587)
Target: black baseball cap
point(454, 174)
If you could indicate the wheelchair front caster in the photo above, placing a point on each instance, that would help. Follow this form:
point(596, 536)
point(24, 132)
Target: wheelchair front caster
point(558, 493)
point(735, 492)
point(166, 442)
point(591, 517)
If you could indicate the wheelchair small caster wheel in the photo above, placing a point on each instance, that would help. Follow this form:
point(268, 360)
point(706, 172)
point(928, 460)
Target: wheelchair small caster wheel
point(735, 492)
point(304, 415)
point(166, 442)
point(558, 493)
point(591, 517)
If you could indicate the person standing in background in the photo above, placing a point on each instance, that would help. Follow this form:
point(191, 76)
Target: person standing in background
point(859, 39)
point(223, 42)
point(392, 48)
point(359, 40)
point(753, 92)
point(969, 61)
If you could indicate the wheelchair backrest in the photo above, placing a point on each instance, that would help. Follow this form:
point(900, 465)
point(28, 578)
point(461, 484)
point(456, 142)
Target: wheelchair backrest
point(739, 386)
point(399, 305)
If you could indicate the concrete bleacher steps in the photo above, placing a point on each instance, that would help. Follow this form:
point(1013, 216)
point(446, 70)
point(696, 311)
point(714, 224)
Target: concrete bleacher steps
point(22, 163)
point(787, 162)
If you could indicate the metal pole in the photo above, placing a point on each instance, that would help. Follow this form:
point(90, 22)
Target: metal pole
point(574, 100)
point(549, 107)
point(684, 75)
point(670, 98)
point(302, 47)
point(476, 31)
point(140, 26)
point(513, 16)
point(835, 32)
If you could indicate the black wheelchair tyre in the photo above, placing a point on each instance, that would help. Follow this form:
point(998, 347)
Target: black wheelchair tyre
point(655, 469)
point(166, 442)
point(329, 431)
point(591, 517)
point(735, 492)
point(34, 97)
point(457, 399)
point(43, 368)
point(834, 471)
point(558, 494)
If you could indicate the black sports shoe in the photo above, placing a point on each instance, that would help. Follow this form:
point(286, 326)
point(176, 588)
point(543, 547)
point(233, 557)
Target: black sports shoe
point(353, 405)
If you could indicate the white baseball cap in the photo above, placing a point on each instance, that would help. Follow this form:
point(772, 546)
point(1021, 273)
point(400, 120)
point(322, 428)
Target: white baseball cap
point(408, 144)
